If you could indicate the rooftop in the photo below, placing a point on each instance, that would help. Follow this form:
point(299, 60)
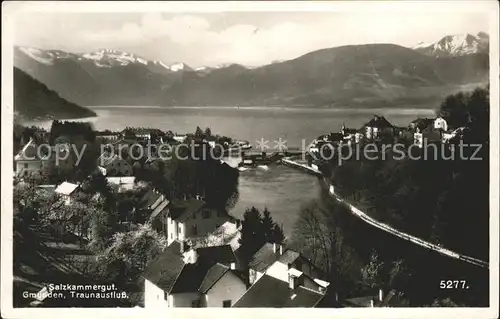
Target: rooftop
point(264, 258)
point(180, 210)
point(379, 122)
point(170, 273)
point(274, 293)
point(66, 188)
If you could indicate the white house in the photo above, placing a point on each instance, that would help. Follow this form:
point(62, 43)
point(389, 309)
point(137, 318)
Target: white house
point(440, 123)
point(203, 277)
point(31, 159)
point(191, 219)
point(66, 190)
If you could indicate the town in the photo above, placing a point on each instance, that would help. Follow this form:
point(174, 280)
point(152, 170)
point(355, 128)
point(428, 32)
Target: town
point(162, 227)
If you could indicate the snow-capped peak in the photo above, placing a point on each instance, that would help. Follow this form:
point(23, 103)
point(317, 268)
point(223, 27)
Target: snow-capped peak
point(178, 66)
point(113, 57)
point(38, 55)
point(455, 45)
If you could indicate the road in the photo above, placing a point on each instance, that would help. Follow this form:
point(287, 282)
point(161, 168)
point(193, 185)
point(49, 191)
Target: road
point(363, 216)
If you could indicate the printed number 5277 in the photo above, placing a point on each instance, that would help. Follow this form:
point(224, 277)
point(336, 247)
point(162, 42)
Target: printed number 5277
point(453, 284)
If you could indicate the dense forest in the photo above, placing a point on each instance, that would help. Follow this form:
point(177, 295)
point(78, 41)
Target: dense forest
point(443, 196)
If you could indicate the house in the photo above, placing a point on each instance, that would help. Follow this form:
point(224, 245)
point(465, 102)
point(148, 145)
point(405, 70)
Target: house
point(202, 277)
point(271, 292)
point(440, 124)
point(377, 127)
point(429, 135)
point(228, 233)
point(350, 135)
point(392, 299)
point(420, 123)
point(123, 183)
point(107, 135)
point(67, 191)
point(114, 165)
point(31, 160)
point(192, 218)
point(179, 138)
point(448, 137)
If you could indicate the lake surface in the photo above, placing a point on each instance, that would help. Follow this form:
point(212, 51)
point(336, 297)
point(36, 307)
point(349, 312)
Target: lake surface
point(281, 189)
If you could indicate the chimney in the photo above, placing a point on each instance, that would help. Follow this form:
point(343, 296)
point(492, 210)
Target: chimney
point(281, 250)
point(292, 282)
point(380, 294)
point(274, 248)
point(371, 303)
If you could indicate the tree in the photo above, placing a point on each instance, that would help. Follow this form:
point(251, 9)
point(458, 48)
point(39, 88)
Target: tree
point(272, 231)
point(371, 274)
point(208, 132)
point(454, 110)
point(130, 252)
point(199, 134)
point(252, 234)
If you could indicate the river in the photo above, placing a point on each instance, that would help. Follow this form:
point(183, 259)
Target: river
point(281, 189)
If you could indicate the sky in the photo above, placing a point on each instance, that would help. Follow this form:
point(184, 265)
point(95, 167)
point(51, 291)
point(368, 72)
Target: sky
point(248, 38)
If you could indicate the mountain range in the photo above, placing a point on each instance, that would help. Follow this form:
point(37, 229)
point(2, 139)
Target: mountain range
point(371, 75)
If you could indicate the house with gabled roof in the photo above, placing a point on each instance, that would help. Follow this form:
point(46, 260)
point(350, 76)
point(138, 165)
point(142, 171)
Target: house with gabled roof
point(377, 127)
point(192, 218)
point(271, 292)
point(283, 278)
point(273, 259)
point(67, 191)
point(202, 277)
point(31, 159)
point(114, 164)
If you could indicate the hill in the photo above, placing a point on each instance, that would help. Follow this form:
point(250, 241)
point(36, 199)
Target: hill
point(33, 100)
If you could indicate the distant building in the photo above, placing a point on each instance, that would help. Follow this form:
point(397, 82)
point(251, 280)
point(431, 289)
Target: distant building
point(67, 191)
point(203, 277)
point(429, 135)
point(31, 160)
point(107, 136)
point(440, 124)
point(114, 165)
point(420, 124)
point(377, 127)
point(123, 183)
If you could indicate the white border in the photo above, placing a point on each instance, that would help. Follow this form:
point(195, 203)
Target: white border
point(9, 9)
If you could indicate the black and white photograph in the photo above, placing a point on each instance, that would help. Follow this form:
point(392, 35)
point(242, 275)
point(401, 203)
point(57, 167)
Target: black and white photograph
point(333, 155)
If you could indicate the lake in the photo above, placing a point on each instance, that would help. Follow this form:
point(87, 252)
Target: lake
point(281, 189)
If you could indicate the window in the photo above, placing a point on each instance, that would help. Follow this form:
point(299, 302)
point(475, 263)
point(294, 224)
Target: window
point(194, 230)
point(179, 229)
point(226, 304)
point(205, 214)
point(25, 165)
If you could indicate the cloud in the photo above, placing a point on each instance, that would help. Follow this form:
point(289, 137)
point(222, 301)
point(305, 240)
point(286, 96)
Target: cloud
point(198, 39)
